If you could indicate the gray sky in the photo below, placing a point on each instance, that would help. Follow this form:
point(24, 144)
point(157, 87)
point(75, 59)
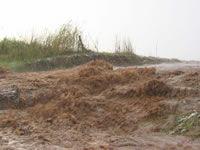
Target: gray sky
point(175, 24)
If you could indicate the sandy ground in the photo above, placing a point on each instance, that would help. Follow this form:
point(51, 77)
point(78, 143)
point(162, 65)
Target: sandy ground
point(96, 107)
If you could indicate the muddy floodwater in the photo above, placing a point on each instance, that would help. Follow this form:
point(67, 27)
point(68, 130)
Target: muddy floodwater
point(100, 107)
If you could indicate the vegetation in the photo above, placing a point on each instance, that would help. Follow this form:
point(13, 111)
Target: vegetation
point(184, 124)
point(63, 48)
point(63, 41)
point(124, 47)
point(66, 41)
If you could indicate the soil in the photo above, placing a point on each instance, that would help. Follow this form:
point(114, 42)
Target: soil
point(100, 107)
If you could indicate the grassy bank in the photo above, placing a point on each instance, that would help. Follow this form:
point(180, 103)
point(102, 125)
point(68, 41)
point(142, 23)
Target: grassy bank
point(76, 59)
point(15, 52)
point(61, 49)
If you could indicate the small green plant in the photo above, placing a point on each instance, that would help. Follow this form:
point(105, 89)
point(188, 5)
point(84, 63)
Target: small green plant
point(184, 123)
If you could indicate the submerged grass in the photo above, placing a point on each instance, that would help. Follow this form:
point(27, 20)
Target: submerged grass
point(186, 124)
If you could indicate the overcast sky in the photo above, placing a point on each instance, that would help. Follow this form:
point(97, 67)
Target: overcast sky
point(175, 24)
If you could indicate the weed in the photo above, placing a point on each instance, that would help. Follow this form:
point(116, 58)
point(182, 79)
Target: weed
point(184, 123)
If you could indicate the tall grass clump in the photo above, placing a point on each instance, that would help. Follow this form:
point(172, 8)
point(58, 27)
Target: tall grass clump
point(64, 40)
point(124, 47)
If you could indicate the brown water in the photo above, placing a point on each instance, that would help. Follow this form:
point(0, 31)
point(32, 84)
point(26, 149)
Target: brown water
point(97, 108)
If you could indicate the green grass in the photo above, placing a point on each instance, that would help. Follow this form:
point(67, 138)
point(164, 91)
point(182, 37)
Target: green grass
point(12, 64)
point(16, 53)
point(63, 41)
point(183, 126)
point(31, 55)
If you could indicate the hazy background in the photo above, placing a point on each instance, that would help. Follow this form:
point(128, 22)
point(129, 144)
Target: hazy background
point(175, 24)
